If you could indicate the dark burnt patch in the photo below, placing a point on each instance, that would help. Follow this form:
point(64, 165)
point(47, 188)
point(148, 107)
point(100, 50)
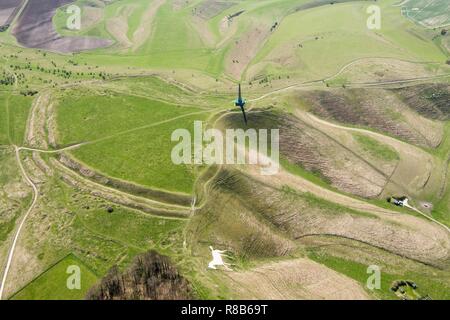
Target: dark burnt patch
point(353, 107)
point(429, 100)
point(150, 277)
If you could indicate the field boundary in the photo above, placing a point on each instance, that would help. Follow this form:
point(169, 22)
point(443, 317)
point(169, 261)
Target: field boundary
point(71, 254)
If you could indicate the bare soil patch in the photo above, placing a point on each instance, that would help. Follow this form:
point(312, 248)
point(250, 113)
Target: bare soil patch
point(306, 209)
point(180, 4)
point(430, 100)
point(295, 279)
point(375, 109)
point(8, 11)
point(315, 151)
point(144, 30)
point(245, 49)
point(35, 135)
point(34, 29)
point(118, 27)
point(210, 8)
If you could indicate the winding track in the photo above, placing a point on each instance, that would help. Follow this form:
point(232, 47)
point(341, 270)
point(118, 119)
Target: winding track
point(355, 84)
point(19, 229)
point(314, 118)
point(36, 192)
point(35, 189)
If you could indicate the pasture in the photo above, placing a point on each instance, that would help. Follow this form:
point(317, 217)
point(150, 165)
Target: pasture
point(128, 137)
point(52, 283)
point(250, 40)
point(13, 116)
point(362, 117)
point(428, 13)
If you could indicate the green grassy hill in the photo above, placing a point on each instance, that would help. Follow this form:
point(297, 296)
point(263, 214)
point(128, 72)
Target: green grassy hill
point(363, 115)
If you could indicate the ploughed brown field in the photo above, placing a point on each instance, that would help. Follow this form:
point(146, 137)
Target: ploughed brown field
point(8, 10)
point(34, 29)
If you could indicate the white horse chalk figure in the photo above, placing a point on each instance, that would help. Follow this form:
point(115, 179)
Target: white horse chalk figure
point(217, 259)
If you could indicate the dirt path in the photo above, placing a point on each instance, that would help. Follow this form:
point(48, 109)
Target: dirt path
point(381, 137)
point(19, 229)
point(359, 85)
point(118, 27)
point(303, 185)
point(121, 133)
point(75, 146)
point(388, 140)
point(30, 132)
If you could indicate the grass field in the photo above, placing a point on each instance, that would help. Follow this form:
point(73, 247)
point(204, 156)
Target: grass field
point(342, 26)
point(133, 229)
point(12, 199)
point(427, 284)
point(52, 284)
point(429, 13)
point(176, 61)
point(179, 39)
point(376, 148)
point(80, 224)
point(13, 116)
point(441, 209)
point(137, 129)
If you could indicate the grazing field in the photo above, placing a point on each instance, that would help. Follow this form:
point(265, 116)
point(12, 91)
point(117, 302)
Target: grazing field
point(87, 117)
point(13, 116)
point(342, 26)
point(378, 109)
point(429, 13)
point(92, 12)
point(376, 149)
point(137, 129)
point(81, 224)
point(354, 263)
point(52, 284)
point(136, 230)
point(14, 195)
point(247, 40)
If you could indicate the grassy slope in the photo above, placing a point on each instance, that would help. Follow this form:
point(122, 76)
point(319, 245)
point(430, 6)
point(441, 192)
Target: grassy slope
point(376, 148)
point(100, 239)
point(13, 116)
point(195, 59)
point(51, 284)
point(427, 285)
point(175, 44)
point(441, 210)
point(134, 229)
point(95, 30)
point(343, 26)
point(10, 206)
point(142, 156)
point(431, 9)
point(4, 121)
